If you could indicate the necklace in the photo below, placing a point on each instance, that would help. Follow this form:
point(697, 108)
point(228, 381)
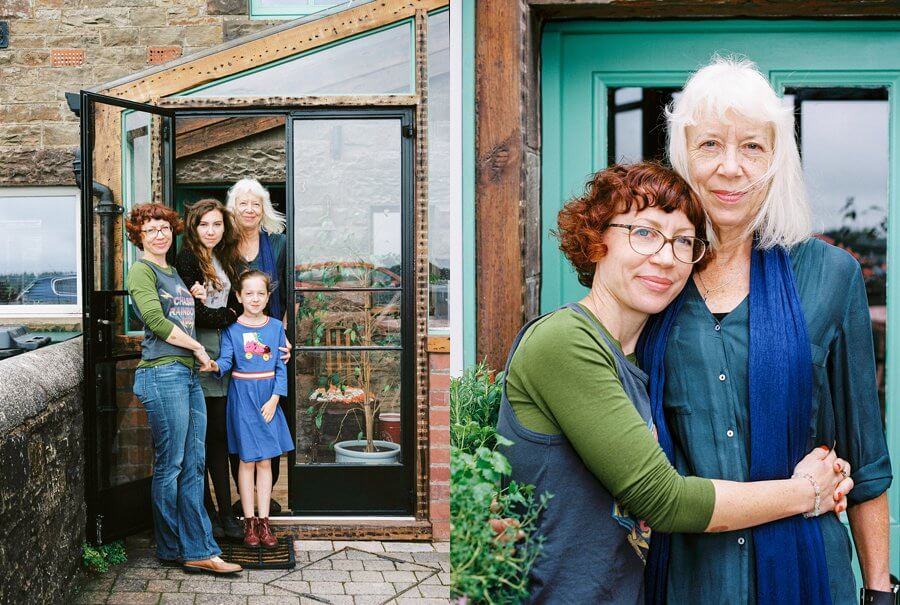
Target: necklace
point(707, 291)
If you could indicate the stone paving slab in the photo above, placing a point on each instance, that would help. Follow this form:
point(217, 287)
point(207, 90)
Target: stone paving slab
point(329, 572)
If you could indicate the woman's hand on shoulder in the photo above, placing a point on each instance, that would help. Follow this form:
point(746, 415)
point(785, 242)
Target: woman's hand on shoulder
point(286, 350)
point(198, 291)
point(832, 476)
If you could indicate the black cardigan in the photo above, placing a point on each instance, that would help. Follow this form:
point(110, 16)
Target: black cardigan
point(188, 268)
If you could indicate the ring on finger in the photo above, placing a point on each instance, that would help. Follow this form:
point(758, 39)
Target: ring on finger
point(844, 473)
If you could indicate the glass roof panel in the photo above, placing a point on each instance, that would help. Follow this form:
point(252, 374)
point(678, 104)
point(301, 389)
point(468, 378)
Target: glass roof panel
point(372, 63)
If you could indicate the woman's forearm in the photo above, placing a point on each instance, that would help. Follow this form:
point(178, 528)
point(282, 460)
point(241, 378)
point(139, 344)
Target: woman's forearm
point(869, 522)
point(742, 505)
point(178, 338)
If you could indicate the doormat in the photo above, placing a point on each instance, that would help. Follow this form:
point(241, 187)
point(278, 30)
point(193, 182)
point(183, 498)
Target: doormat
point(280, 557)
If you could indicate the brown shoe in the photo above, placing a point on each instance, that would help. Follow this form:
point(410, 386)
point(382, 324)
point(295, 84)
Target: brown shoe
point(213, 565)
point(266, 537)
point(251, 537)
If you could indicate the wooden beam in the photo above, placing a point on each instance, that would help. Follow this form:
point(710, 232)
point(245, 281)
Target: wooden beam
point(222, 132)
point(289, 102)
point(263, 50)
point(499, 182)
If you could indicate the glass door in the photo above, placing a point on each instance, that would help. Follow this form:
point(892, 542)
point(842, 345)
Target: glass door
point(125, 155)
point(604, 89)
point(350, 217)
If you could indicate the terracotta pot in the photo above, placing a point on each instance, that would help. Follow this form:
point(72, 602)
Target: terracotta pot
point(390, 426)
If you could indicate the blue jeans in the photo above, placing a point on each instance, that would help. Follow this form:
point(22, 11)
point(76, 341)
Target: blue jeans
point(176, 412)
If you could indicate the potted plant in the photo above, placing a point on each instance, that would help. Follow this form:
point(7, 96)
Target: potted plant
point(352, 395)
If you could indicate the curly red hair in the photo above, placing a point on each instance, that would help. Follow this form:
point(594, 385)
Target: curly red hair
point(620, 189)
point(148, 212)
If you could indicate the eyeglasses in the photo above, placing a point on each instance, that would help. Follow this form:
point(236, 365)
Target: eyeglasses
point(153, 232)
point(648, 241)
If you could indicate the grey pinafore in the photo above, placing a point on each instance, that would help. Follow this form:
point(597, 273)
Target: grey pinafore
point(592, 553)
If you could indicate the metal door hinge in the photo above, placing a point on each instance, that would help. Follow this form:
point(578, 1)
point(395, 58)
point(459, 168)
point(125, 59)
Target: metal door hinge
point(409, 131)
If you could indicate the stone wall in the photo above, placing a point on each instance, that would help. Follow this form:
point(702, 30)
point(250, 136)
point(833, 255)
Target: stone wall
point(58, 46)
point(42, 509)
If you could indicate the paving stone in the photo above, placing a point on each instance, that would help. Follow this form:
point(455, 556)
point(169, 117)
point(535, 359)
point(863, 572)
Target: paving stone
point(420, 601)
point(220, 599)
point(266, 575)
point(179, 598)
point(326, 575)
point(163, 585)
point(378, 565)
point(445, 565)
point(133, 598)
point(349, 565)
point(366, 546)
point(145, 573)
point(325, 563)
point(316, 601)
point(292, 585)
point(101, 584)
point(270, 600)
point(129, 585)
point(325, 588)
point(442, 546)
point(205, 586)
point(340, 600)
point(408, 591)
point(445, 578)
point(408, 547)
point(313, 545)
point(400, 576)
point(367, 576)
point(247, 588)
point(371, 599)
point(433, 579)
point(91, 597)
point(369, 588)
point(275, 591)
point(437, 591)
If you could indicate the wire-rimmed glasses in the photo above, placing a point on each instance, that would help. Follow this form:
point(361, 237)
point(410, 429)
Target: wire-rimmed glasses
point(648, 241)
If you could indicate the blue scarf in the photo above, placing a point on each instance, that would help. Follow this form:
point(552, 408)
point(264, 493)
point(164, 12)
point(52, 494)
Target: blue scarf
point(267, 265)
point(790, 553)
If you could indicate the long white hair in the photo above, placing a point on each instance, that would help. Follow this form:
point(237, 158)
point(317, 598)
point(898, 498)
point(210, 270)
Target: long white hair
point(272, 220)
point(736, 85)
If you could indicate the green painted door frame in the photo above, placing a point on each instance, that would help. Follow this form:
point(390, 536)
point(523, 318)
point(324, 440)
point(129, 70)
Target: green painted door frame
point(580, 60)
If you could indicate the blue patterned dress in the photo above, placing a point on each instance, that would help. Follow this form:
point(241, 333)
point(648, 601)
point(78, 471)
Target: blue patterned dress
point(251, 352)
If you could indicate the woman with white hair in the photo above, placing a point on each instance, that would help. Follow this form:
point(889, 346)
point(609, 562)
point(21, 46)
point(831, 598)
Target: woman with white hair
point(766, 351)
point(262, 245)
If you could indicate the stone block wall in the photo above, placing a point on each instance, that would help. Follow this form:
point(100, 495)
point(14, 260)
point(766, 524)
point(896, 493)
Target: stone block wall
point(42, 509)
point(58, 46)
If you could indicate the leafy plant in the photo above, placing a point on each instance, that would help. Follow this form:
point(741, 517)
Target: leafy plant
point(487, 566)
point(474, 407)
point(97, 559)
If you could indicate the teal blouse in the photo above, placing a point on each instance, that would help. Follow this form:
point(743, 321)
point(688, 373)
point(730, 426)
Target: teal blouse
point(706, 402)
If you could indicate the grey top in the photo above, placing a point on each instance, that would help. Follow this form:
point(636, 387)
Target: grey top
point(174, 298)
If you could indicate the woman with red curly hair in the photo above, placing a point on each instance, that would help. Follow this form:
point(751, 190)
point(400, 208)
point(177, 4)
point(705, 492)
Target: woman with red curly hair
point(167, 383)
point(577, 411)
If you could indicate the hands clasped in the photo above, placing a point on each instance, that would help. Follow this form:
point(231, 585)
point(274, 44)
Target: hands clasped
point(829, 480)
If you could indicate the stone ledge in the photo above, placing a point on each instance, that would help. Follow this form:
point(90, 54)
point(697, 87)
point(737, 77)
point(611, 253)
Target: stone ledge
point(31, 381)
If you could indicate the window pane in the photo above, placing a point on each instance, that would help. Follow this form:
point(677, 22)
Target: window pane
point(347, 196)
point(348, 318)
point(344, 397)
point(282, 8)
point(379, 63)
point(439, 169)
point(38, 250)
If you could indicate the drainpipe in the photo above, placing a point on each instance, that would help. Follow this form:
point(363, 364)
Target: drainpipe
point(108, 211)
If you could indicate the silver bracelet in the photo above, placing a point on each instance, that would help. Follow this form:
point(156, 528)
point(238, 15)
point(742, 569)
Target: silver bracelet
point(815, 511)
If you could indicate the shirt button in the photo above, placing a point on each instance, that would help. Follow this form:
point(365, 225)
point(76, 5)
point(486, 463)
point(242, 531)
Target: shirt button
point(741, 541)
point(722, 377)
point(718, 327)
point(730, 433)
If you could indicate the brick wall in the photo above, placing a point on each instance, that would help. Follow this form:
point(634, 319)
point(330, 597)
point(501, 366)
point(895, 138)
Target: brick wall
point(439, 399)
point(58, 46)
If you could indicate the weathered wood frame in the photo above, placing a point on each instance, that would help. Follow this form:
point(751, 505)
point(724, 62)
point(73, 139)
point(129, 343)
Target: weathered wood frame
point(155, 87)
point(508, 136)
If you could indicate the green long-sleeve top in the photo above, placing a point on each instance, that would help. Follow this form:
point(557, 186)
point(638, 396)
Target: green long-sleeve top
point(145, 293)
point(563, 379)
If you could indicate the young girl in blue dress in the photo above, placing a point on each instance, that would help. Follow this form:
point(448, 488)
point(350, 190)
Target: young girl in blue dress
point(257, 428)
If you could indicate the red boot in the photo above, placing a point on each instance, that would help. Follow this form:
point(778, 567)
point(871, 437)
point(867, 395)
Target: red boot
point(266, 537)
point(251, 535)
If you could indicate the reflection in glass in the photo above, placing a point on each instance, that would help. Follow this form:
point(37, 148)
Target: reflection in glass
point(122, 426)
point(439, 169)
point(38, 250)
point(348, 318)
point(348, 396)
point(347, 194)
point(379, 63)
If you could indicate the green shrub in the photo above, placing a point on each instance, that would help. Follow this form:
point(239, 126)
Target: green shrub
point(474, 407)
point(484, 567)
point(97, 559)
